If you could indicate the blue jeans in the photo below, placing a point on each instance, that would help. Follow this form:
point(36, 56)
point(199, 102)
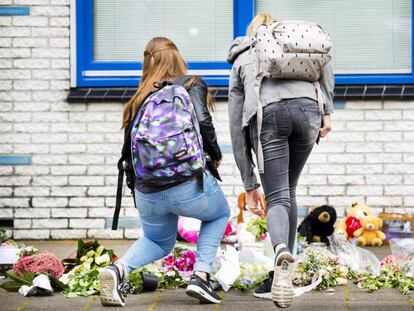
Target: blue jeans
point(159, 213)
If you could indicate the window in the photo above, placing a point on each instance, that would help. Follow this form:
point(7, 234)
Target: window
point(369, 37)
point(202, 30)
point(112, 35)
point(372, 39)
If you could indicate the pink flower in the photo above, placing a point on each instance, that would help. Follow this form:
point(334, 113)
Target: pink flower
point(169, 262)
point(186, 261)
point(262, 237)
point(391, 261)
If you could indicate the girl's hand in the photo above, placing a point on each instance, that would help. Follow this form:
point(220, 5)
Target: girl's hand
point(255, 202)
point(327, 126)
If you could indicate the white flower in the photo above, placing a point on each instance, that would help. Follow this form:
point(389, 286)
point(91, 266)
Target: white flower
point(103, 259)
point(86, 266)
point(170, 273)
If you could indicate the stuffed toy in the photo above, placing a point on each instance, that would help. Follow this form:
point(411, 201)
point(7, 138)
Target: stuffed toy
point(242, 203)
point(319, 224)
point(355, 214)
point(370, 233)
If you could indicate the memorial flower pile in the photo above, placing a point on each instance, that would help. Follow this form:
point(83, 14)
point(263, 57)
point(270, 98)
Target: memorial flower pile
point(315, 266)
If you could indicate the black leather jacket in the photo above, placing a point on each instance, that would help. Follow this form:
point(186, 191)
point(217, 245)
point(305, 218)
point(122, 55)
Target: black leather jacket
point(198, 94)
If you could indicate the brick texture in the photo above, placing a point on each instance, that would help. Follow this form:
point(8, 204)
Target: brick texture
point(69, 189)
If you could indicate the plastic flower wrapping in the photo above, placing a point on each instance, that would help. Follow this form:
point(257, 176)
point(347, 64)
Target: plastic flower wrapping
point(404, 250)
point(396, 270)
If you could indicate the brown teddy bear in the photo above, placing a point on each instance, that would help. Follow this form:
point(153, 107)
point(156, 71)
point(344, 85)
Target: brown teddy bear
point(370, 233)
point(355, 214)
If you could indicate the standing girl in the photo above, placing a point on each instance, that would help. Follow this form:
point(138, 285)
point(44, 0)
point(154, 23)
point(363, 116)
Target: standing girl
point(291, 125)
point(160, 206)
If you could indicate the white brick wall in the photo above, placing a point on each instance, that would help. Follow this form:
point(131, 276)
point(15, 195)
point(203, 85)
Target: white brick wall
point(68, 190)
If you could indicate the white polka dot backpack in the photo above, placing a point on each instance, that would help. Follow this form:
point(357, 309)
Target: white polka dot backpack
point(289, 50)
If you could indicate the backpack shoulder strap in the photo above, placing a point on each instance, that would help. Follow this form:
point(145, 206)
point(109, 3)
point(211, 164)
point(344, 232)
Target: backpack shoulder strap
point(125, 155)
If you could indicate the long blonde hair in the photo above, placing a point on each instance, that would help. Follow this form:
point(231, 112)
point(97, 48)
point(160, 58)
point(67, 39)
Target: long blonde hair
point(263, 18)
point(162, 61)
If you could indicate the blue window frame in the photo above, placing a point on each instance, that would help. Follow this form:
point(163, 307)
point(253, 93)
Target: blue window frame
point(91, 73)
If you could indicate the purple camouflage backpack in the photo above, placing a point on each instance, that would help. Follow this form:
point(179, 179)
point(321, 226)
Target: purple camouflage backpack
point(165, 138)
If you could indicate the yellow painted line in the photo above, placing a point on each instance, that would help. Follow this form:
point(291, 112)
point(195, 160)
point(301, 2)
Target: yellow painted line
point(89, 303)
point(346, 292)
point(410, 301)
point(155, 301)
point(24, 304)
point(217, 305)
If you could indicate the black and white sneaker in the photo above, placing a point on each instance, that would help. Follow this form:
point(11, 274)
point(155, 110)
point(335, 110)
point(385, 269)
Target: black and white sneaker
point(265, 290)
point(202, 290)
point(282, 286)
point(110, 284)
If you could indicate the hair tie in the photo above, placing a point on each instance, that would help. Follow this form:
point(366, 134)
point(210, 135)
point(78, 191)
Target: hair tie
point(149, 53)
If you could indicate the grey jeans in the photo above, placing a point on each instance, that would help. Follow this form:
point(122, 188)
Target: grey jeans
point(289, 131)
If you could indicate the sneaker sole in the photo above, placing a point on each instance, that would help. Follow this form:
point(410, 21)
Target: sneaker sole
point(109, 293)
point(263, 295)
point(284, 257)
point(282, 295)
point(200, 294)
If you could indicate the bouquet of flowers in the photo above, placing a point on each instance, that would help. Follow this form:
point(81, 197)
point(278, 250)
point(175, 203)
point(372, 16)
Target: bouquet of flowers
point(319, 261)
point(180, 259)
point(257, 226)
point(251, 275)
point(390, 277)
point(171, 279)
point(83, 279)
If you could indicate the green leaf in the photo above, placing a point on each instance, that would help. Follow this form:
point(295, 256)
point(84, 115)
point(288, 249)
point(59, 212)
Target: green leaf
point(26, 277)
point(11, 286)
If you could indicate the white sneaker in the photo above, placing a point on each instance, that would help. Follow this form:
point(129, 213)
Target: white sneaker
point(282, 287)
point(110, 284)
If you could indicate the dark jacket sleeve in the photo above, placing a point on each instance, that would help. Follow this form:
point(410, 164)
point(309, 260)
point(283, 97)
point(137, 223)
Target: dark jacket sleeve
point(198, 93)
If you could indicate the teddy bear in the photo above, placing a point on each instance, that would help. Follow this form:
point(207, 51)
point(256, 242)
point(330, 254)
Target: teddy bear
point(370, 233)
point(242, 203)
point(319, 224)
point(355, 213)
